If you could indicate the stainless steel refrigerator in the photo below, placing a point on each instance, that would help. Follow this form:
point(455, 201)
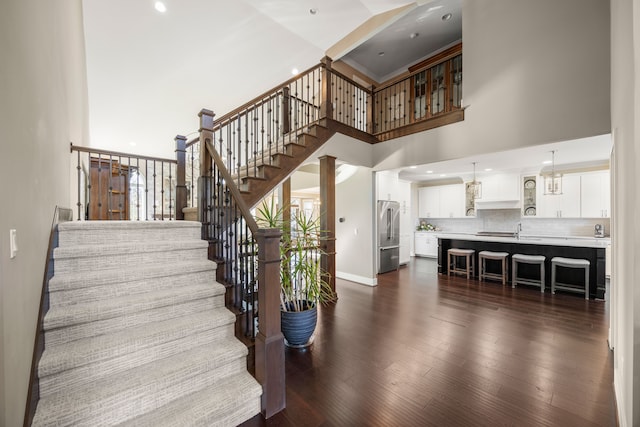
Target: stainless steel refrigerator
point(388, 235)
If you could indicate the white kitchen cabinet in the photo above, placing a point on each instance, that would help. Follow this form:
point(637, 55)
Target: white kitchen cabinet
point(429, 202)
point(500, 186)
point(426, 244)
point(565, 205)
point(452, 201)
point(595, 195)
point(442, 201)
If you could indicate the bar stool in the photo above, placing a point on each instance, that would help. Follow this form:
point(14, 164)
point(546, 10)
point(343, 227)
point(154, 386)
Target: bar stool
point(470, 264)
point(569, 263)
point(483, 256)
point(527, 259)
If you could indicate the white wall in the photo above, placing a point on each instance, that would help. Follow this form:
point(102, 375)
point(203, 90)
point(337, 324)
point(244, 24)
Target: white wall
point(625, 303)
point(43, 106)
point(355, 200)
point(534, 72)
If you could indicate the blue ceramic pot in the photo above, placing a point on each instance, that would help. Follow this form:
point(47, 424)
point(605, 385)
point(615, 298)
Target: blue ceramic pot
point(298, 326)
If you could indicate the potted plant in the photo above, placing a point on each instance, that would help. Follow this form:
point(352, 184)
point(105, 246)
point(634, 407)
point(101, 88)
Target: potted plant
point(302, 281)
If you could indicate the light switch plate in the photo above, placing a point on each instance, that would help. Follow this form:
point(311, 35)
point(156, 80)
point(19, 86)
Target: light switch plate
point(13, 243)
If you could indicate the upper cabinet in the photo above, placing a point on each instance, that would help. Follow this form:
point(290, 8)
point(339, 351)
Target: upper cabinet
point(443, 201)
point(584, 195)
point(595, 194)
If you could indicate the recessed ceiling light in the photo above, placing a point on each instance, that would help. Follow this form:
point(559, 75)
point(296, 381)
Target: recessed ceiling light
point(432, 8)
point(380, 53)
point(412, 167)
point(414, 35)
point(429, 171)
point(446, 16)
point(313, 11)
point(132, 143)
point(546, 162)
point(160, 7)
point(443, 174)
point(488, 170)
point(294, 71)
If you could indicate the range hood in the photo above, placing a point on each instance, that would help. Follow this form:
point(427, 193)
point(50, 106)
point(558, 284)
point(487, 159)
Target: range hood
point(497, 204)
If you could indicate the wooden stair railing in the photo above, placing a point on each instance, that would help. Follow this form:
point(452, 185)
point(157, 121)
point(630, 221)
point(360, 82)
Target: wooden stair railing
point(251, 265)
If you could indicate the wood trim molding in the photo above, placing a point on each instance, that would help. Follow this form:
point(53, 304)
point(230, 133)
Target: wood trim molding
point(437, 58)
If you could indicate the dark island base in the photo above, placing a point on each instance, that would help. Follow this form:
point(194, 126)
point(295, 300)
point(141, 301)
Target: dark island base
point(596, 257)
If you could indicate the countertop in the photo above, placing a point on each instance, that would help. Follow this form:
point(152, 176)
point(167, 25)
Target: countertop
point(575, 241)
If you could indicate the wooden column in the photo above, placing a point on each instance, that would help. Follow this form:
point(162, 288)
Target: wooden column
point(371, 116)
point(326, 109)
point(285, 202)
point(328, 218)
point(181, 180)
point(270, 341)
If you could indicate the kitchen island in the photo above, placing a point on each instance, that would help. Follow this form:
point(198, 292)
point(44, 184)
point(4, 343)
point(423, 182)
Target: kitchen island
point(591, 249)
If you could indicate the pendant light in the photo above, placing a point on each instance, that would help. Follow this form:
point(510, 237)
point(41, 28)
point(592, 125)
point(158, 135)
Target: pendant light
point(553, 182)
point(475, 186)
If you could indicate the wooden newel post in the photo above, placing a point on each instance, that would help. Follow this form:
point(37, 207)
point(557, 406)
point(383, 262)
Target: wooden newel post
point(270, 341)
point(206, 165)
point(286, 111)
point(371, 116)
point(328, 220)
point(326, 109)
point(181, 179)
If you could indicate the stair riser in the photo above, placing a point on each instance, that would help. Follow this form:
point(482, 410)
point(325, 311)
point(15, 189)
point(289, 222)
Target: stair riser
point(128, 260)
point(109, 236)
point(67, 334)
point(113, 290)
point(148, 397)
point(81, 375)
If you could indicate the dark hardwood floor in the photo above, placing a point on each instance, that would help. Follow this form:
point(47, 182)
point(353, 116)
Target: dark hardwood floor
point(424, 350)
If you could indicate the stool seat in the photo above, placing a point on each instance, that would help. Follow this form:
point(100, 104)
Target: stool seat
point(452, 256)
point(527, 259)
point(493, 255)
point(530, 259)
point(461, 251)
point(498, 256)
point(570, 263)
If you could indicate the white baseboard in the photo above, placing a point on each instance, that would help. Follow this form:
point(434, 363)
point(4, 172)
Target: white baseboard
point(369, 281)
point(617, 384)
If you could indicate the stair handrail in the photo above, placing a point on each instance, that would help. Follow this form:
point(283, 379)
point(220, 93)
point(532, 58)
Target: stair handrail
point(274, 90)
point(269, 341)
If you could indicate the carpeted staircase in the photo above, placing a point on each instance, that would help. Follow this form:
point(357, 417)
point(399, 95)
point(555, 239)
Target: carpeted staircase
point(137, 333)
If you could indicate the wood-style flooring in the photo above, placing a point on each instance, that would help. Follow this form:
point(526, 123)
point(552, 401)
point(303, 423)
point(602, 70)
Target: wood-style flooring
point(424, 350)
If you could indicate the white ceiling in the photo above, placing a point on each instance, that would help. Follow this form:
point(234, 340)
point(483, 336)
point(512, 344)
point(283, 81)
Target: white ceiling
point(150, 73)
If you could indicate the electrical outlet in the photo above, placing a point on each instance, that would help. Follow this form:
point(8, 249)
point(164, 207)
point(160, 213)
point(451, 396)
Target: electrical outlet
point(13, 243)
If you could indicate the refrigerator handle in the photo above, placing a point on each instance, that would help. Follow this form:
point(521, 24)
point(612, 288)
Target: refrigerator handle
point(389, 227)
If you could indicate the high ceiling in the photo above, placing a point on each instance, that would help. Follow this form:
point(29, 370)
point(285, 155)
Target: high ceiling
point(150, 73)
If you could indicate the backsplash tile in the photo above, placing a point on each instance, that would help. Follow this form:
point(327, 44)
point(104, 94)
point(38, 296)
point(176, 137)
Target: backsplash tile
point(508, 219)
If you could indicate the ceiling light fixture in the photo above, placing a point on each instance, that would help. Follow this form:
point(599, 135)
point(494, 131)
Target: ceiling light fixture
point(160, 7)
point(429, 171)
point(553, 182)
point(414, 35)
point(446, 16)
point(475, 186)
point(380, 53)
point(412, 167)
point(295, 71)
point(313, 11)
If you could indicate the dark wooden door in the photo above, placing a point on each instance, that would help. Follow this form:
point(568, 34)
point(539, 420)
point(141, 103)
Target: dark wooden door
point(109, 190)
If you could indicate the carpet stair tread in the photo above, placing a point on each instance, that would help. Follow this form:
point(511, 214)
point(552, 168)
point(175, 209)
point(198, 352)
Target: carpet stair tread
point(138, 391)
point(73, 314)
point(118, 275)
point(92, 350)
point(228, 403)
